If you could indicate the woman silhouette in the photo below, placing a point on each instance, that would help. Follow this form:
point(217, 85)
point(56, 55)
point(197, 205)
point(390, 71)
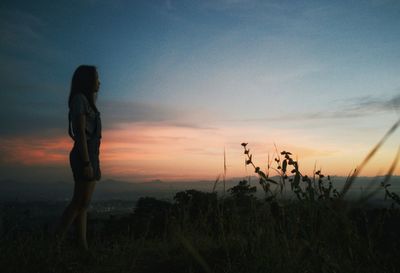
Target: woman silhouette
point(84, 127)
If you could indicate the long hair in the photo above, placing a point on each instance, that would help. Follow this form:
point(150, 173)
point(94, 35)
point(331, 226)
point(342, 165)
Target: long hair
point(83, 81)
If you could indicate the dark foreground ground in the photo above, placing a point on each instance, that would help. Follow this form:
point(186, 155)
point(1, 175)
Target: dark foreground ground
point(201, 232)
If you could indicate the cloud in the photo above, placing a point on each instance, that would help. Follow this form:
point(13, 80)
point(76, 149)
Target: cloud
point(43, 151)
point(169, 5)
point(135, 150)
point(353, 108)
point(240, 5)
point(47, 114)
point(19, 29)
point(363, 106)
point(120, 112)
point(372, 104)
point(25, 33)
point(25, 114)
point(379, 3)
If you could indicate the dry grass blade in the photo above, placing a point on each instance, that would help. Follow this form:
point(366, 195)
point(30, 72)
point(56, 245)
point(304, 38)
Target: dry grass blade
point(392, 168)
point(216, 182)
point(351, 179)
point(224, 168)
point(195, 254)
point(386, 179)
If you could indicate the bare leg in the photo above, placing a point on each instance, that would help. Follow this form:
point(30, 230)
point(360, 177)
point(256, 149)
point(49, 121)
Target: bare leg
point(70, 212)
point(82, 190)
point(81, 218)
point(81, 227)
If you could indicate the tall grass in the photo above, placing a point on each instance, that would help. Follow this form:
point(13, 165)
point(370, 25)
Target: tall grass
point(237, 232)
point(317, 186)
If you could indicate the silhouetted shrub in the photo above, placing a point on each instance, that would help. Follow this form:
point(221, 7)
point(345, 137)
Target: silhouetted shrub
point(242, 190)
point(150, 216)
point(195, 202)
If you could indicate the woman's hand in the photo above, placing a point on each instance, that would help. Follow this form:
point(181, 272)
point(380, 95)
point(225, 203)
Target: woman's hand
point(88, 172)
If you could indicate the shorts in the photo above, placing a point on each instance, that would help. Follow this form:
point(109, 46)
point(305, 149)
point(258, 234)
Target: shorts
point(77, 164)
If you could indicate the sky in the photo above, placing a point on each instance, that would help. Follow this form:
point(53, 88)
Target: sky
point(184, 81)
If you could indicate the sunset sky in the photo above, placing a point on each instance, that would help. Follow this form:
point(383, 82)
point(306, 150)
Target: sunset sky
point(183, 80)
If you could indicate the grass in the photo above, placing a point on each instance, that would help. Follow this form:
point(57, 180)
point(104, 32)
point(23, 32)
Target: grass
point(200, 233)
point(315, 230)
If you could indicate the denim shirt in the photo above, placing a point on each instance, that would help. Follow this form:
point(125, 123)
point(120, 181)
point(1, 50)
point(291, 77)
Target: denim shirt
point(80, 105)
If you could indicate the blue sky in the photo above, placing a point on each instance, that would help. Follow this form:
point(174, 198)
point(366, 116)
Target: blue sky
point(311, 75)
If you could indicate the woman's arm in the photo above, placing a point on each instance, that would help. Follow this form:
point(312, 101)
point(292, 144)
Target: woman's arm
point(88, 170)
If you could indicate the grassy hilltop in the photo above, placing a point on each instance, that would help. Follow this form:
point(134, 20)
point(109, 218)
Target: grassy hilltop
point(299, 224)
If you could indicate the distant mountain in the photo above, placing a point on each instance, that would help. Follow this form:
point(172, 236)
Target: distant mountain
point(12, 190)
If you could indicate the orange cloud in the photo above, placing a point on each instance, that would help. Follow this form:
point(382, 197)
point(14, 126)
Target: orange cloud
point(33, 151)
point(149, 151)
